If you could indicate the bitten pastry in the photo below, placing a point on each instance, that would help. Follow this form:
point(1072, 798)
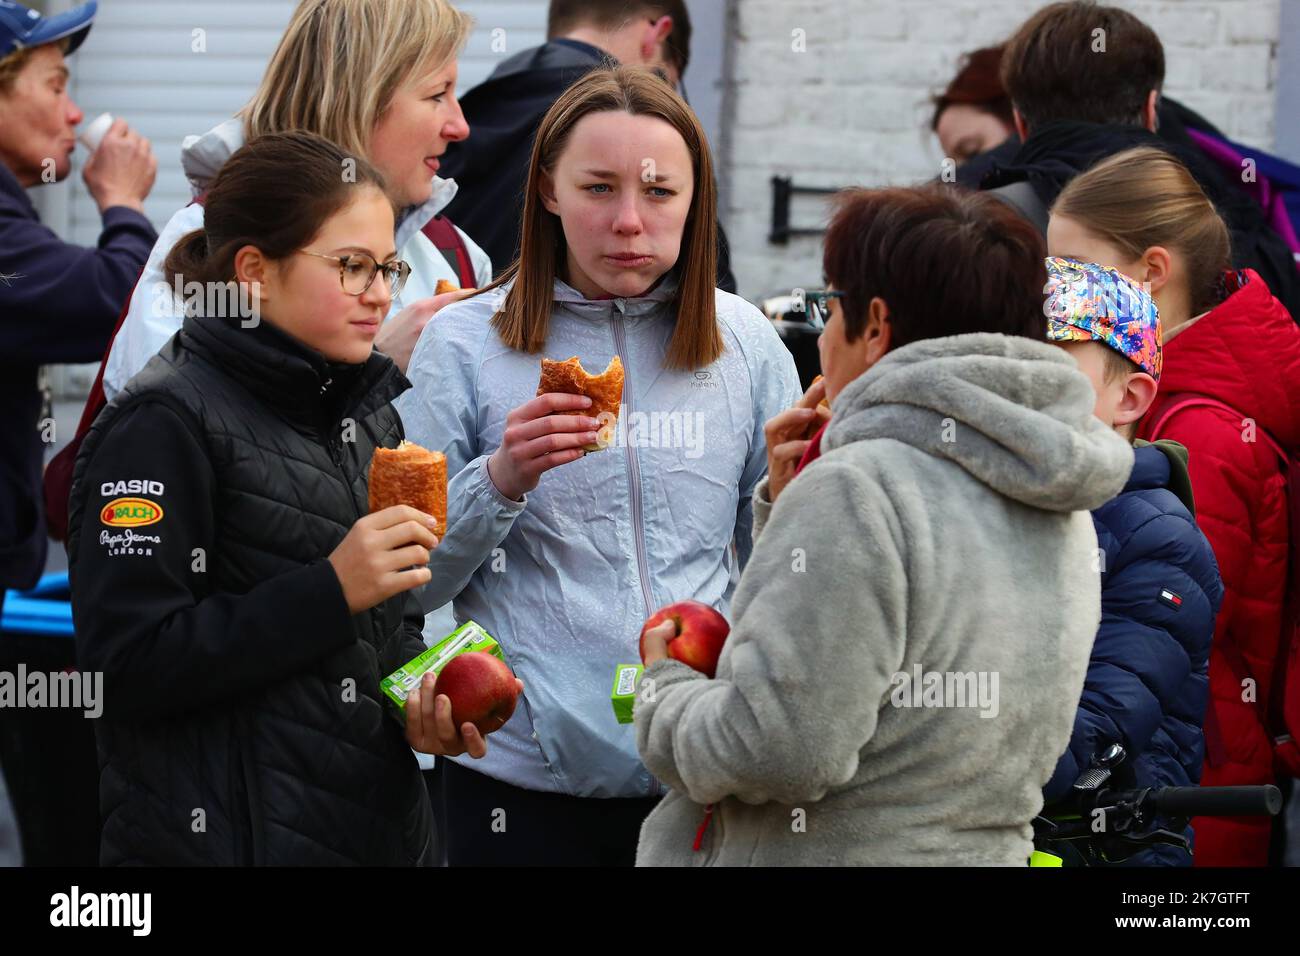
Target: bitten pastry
point(605, 391)
point(410, 475)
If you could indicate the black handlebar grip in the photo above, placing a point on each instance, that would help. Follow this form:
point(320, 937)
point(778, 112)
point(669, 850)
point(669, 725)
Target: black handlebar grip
point(1216, 801)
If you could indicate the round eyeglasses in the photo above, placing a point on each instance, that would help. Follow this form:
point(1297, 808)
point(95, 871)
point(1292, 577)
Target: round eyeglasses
point(357, 271)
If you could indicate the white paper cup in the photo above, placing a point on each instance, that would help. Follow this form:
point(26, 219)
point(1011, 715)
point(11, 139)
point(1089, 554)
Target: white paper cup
point(93, 134)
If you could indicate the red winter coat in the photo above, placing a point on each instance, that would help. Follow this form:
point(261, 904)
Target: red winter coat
point(1246, 354)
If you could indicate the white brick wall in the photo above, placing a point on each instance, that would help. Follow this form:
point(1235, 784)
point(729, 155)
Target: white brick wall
point(853, 108)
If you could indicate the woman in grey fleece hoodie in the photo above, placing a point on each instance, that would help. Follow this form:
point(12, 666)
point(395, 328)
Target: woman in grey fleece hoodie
point(911, 633)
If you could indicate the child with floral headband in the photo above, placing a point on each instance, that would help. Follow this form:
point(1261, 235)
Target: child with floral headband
point(1147, 681)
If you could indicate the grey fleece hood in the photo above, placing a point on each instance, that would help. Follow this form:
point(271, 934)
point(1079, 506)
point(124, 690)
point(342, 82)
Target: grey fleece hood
point(1014, 413)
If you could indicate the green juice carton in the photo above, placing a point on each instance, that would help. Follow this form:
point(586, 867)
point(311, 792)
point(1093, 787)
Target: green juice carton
point(468, 637)
point(623, 696)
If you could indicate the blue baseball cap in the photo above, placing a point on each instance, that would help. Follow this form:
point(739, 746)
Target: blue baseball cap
point(22, 27)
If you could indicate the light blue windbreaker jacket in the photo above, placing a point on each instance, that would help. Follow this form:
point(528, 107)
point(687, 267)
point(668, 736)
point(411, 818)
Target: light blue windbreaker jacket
point(565, 578)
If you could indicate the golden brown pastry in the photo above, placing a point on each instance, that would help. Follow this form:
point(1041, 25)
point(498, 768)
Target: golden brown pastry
point(445, 285)
point(410, 475)
point(605, 391)
point(825, 402)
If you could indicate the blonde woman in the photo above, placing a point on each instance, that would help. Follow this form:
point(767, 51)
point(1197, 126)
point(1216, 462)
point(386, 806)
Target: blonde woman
point(376, 77)
point(563, 556)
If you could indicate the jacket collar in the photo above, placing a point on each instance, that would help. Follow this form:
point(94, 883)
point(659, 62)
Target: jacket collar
point(1057, 152)
point(1245, 353)
point(650, 304)
point(562, 54)
point(1161, 464)
point(291, 377)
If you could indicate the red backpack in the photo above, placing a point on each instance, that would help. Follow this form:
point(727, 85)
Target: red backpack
point(1283, 718)
point(58, 473)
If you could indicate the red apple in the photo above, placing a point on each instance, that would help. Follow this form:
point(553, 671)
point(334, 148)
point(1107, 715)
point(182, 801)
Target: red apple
point(700, 634)
point(481, 688)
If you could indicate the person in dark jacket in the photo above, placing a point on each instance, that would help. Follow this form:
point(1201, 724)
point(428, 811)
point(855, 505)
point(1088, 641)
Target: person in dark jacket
point(58, 301)
point(1148, 678)
point(1085, 83)
point(226, 577)
point(505, 110)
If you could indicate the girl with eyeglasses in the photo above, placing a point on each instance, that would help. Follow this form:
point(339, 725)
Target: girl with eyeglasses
point(227, 581)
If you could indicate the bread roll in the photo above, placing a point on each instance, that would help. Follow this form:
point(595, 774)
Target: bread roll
point(410, 475)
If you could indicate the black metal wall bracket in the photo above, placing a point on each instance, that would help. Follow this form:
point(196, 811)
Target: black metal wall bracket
point(783, 189)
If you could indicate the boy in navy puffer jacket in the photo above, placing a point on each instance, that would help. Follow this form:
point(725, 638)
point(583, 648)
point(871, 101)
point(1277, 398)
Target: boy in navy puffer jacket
point(1147, 681)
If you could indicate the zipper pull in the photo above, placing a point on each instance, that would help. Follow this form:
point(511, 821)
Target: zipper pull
point(324, 388)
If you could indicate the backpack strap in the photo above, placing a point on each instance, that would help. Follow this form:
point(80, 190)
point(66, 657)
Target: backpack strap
point(1023, 198)
point(57, 480)
point(443, 233)
point(1192, 400)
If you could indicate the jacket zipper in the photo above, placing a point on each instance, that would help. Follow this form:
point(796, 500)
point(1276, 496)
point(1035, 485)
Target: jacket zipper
point(633, 467)
point(336, 449)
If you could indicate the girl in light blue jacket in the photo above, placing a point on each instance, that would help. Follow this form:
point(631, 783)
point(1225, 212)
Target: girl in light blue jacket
point(559, 554)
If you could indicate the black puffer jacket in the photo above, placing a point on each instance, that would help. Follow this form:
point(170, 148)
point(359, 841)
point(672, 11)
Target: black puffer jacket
point(243, 721)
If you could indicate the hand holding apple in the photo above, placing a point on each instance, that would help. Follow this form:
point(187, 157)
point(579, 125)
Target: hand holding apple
point(429, 726)
point(688, 631)
point(654, 642)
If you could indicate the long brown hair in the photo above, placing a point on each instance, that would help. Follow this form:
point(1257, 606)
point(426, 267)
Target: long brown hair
point(524, 319)
point(1145, 197)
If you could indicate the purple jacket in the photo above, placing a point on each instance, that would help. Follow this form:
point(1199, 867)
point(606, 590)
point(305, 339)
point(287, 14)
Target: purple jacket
point(58, 303)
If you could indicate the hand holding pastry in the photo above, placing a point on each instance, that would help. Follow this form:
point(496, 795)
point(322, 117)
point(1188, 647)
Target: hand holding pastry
point(399, 334)
point(789, 433)
point(605, 391)
point(541, 434)
point(382, 555)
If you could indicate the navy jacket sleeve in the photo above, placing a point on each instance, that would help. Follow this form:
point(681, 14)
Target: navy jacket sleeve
point(142, 604)
point(1146, 647)
point(58, 301)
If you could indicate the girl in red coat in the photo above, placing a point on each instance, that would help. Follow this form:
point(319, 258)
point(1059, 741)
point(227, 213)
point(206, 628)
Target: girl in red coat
point(1229, 341)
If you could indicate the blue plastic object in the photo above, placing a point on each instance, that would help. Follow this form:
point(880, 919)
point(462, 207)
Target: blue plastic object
point(45, 609)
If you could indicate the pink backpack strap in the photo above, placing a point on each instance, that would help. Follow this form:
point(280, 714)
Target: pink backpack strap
point(1191, 400)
